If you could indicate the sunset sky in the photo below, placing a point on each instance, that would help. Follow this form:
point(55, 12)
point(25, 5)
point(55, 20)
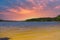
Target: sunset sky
point(26, 9)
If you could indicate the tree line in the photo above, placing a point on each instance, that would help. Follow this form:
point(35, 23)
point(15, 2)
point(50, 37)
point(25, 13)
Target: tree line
point(45, 19)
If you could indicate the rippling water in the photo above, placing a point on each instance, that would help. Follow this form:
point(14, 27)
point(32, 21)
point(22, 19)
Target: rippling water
point(30, 30)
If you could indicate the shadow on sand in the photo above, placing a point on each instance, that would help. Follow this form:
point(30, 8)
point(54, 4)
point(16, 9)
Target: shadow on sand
point(6, 38)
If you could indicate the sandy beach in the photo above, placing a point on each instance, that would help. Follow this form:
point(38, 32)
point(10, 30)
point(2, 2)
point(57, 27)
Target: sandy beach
point(37, 33)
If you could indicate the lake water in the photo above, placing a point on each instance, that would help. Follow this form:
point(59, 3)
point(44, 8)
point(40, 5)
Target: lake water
point(29, 23)
point(30, 30)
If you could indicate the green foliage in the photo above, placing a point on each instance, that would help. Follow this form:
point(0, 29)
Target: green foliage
point(58, 18)
point(45, 19)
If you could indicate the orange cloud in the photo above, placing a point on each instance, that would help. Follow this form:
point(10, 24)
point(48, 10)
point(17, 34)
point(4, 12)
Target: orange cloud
point(21, 11)
point(22, 16)
point(26, 12)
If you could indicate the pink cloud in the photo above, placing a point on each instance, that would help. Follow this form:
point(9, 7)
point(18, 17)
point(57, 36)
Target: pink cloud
point(57, 7)
point(37, 10)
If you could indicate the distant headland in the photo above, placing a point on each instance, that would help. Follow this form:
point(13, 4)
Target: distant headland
point(46, 19)
point(8, 20)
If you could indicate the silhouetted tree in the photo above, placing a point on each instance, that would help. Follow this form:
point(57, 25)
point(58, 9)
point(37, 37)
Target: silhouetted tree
point(58, 18)
point(45, 19)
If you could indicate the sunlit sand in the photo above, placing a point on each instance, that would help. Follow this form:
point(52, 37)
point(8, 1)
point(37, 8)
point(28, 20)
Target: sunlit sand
point(36, 33)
